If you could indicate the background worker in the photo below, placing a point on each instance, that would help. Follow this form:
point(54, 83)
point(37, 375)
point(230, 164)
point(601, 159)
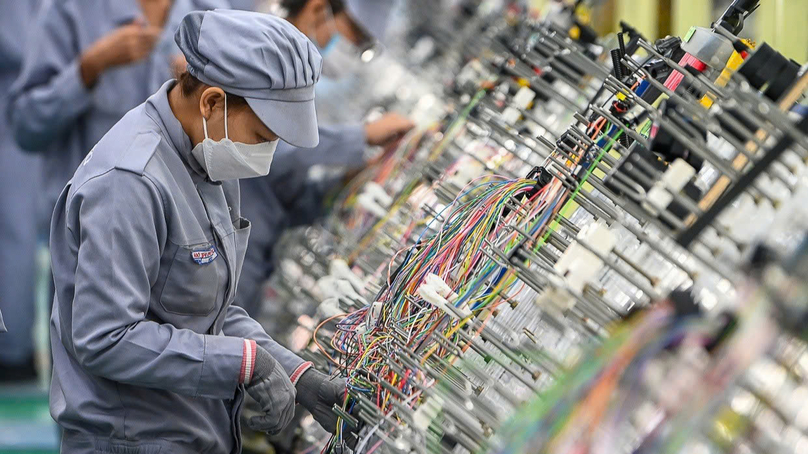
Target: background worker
point(342, 30)
point(19, 191)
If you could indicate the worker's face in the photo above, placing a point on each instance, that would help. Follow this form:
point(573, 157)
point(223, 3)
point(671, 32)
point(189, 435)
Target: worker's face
point(325, 25)
point(243, 125)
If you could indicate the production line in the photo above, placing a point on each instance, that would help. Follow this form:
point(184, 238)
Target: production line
point(403, 226)
point(595, 248)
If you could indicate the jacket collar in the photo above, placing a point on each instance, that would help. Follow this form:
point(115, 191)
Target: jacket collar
point(158, 108)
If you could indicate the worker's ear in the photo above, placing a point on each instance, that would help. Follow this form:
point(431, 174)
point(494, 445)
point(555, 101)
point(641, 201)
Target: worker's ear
point(212, 98)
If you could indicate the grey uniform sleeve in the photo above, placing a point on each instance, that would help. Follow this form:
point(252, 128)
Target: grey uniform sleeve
point(238, 323)
point(310, 204)
point(118, 224)
point(49, 94)
point(340, 145)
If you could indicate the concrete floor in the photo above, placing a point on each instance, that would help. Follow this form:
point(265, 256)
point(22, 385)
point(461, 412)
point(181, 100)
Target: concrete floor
point(26, 426)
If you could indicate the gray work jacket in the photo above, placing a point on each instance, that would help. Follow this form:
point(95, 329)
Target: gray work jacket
point(146, 256)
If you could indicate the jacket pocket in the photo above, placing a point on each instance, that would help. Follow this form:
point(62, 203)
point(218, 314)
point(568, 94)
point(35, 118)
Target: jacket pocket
point(195, 280)
point(242, 227)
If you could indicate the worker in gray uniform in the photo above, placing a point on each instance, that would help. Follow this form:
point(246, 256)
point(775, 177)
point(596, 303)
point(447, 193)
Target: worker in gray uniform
point(147, 240)
point(342, 30)
point(19, 194)
point(86, 64)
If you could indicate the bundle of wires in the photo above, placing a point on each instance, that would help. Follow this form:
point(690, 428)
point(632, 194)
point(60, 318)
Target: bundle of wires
point(365, 345)
point(386, 172)
point(581, 413)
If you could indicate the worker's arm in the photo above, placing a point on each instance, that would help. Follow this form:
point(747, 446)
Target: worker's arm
point(343, 145)
point(53, 89)
point(49, 94)
point(239, 324)
point(117, 223)
point(310, 204)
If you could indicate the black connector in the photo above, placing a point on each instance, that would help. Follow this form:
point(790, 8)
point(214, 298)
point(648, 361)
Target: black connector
point(740, 46)
point(542, 176)
point(617, 64)
point(735, 14)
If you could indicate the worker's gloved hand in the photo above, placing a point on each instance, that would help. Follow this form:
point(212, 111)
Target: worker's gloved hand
point(270, 386)
point(387, 129)
point(317, 394)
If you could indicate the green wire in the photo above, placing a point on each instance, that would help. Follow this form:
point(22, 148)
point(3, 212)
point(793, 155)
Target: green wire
point(589, 171)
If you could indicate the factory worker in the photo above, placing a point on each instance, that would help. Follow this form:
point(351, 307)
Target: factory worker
point(19, 184)
point(342, 30)
point(87, 64)
point(147, 243)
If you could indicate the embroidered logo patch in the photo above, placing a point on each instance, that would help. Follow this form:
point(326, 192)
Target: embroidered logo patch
point(205, 255)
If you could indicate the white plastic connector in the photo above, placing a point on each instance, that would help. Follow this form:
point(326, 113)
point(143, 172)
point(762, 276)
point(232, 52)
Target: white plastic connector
point(332, 287)
point(372, 315)
point(578, 265)
point(446, 292)
point(328, 286)
point(599, 237)
point(511, 115)
point(367, 202)
point(291, 270)
point(427, 411)
point(346, 289)
point(657, 199)
point(555, 300)
point(378, 193)
point(441, 287)
point(673, 180)
point(523, 97)
point(677, 175)
point(470, 170)
point(735, 219)
point(330, 307)
point(339, 268)
point(431, 296)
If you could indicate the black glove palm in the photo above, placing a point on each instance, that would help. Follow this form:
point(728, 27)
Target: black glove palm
point(270, 386)
point(317, 394)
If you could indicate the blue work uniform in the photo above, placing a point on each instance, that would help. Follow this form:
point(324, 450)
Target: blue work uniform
point(19, 189)
point(146, 255)
point(247, 5)
point(286, 198)
point(52, 111)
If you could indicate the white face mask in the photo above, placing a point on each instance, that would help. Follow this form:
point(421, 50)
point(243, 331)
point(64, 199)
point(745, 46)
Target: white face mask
point(228, 160)
point(340, 57)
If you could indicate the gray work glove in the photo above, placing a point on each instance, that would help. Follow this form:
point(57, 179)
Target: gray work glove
point(317, 394)
point(275, 394)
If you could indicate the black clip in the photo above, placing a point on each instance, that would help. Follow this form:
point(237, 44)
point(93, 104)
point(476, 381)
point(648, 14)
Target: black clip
point(542, 176)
